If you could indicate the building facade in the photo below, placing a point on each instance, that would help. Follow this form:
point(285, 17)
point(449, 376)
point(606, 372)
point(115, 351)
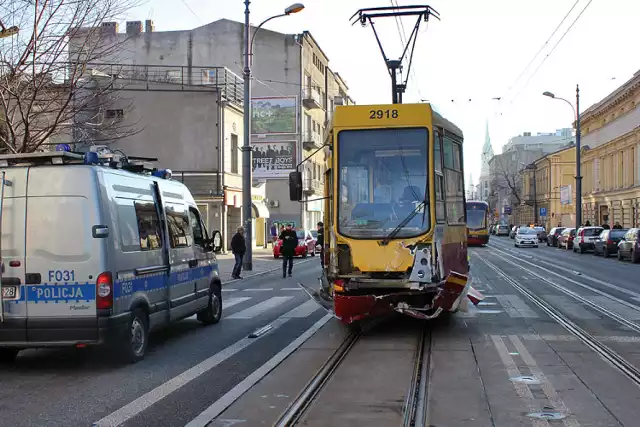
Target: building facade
point(611, 157)
point(548, 190)
point(292, 90)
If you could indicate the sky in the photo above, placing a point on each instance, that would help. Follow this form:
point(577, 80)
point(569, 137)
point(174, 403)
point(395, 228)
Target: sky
point(478, 51)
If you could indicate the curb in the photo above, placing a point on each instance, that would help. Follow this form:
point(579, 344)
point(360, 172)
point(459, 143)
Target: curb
point(263, 272)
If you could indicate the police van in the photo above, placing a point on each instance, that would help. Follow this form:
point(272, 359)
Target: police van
point(98, 251)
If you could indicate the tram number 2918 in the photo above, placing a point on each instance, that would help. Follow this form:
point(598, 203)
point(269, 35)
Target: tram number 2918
point(383, 114)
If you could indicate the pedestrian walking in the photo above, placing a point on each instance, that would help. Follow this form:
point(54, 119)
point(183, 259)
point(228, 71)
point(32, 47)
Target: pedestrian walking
point(288, 250)
point(320, 242)
point(238, 247)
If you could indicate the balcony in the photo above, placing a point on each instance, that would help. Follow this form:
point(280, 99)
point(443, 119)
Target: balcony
point(312, 99)
point(311, 140)
point(312, 186)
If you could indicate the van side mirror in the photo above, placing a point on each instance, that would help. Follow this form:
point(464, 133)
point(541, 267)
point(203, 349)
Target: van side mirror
point(295, 186)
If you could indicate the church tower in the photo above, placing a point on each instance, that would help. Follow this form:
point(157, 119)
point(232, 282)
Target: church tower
point(485, 175)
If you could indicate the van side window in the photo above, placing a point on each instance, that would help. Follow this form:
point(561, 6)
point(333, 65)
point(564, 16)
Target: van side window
point(179, 230)
point(196, 227)
point(148, 226)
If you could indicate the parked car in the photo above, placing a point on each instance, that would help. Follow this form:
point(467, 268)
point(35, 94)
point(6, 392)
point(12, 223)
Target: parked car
point(306, 244)
point(542, 233)
point(629, 245)
point(552, 237)
point(585, 237)
point(565, 241)
point(526, 237)
point(607, 242)
point(502, 230)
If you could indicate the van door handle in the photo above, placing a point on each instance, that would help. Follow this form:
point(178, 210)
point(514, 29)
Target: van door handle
point(193, 263)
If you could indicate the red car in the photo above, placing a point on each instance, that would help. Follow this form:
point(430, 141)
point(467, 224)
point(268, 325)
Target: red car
point(306, 244)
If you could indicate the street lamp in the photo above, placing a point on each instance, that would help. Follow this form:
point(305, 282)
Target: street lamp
point(576, 114)
point(246, 147)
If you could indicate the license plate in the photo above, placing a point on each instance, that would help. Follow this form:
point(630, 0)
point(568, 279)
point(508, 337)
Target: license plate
point(9, 292)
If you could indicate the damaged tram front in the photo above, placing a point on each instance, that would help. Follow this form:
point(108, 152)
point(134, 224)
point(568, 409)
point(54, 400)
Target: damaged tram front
point(394, 217)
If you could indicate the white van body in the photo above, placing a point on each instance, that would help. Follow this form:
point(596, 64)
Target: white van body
point(94, 254)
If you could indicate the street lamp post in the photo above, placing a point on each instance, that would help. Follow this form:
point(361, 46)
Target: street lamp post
point(247, 181)
point(576, 114)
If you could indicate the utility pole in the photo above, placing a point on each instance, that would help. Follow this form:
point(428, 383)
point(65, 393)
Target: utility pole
point(578, 174)
point(246, 147)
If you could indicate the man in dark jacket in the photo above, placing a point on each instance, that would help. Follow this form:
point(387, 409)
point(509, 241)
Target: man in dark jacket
point(288, 250)
point(320, 241)
point(238, 247)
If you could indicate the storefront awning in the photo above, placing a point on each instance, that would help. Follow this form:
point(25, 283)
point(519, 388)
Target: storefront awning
point(261, 209)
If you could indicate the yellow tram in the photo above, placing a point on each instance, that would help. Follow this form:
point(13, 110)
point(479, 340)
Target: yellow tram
point(477, 223)
point(394, 217)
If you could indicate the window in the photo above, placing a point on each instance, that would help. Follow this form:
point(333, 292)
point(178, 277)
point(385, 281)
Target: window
point(148, 226)
point(454, 182)
point(234, 153)
point(179, 226)
point(197, 228)
point(439, 182)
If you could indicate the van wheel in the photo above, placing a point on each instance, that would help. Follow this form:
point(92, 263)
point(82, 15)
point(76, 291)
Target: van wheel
point(213, 313)
point(8, 355)
point(137, 337)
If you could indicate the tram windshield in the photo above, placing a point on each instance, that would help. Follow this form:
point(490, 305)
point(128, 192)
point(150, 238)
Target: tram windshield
point(383, 181)
point(476, 217)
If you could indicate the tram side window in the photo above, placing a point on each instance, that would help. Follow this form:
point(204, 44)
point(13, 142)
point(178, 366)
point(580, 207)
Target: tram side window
point(453, 181)
point(439, 182)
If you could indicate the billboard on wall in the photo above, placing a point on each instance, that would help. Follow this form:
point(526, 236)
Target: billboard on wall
point(565, 194)
point(274, 115)
point(274, 159)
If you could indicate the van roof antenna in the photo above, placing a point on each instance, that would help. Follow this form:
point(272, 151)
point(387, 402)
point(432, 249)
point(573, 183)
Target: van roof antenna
point(422, 13)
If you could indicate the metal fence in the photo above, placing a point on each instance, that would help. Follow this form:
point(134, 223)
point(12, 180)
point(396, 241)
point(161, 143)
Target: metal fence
point(176, 77)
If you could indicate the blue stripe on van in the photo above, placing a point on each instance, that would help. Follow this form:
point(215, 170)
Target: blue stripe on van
point(85, 292)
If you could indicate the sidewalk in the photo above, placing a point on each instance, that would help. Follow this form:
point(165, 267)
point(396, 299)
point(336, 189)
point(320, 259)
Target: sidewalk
point(263, 261)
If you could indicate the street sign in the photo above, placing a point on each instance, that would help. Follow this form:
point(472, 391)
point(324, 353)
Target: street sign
point(543, 211)
point(506, 210)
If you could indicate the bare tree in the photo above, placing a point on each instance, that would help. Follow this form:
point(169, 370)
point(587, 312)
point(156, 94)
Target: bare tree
point(507, 177)
point(49, 91)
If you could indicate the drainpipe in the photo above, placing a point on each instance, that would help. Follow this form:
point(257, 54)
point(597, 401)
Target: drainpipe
point(300, 113)
point(221, 146)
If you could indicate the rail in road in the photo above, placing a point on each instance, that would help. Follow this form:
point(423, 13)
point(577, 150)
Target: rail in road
point(556, 352)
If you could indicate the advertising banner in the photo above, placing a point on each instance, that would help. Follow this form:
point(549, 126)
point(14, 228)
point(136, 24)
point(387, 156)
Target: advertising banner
point(565, 195)
point(274, 115)
point(274, 159)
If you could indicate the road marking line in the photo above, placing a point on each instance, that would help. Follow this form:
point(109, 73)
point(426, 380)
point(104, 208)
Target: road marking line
point(145, 401)
point(229, 290)
point(291, 289)
point(515, 307)
point(305, 310)
point(258, 309)
point(570, 307)
point(522, 389)
point(548, 389)
point(235, 393)
point(257, 289)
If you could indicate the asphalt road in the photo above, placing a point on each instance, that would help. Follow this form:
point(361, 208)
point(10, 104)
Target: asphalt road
point(52, 387)
point(504, 363)
point(479, 358)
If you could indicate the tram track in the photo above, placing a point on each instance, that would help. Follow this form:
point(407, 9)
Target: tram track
point(615, 359)
point(415, 408)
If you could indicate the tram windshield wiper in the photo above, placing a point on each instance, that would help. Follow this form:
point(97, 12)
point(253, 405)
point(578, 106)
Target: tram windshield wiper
point(404, 222)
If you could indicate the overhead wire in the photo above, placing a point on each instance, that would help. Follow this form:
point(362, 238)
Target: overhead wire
point(541, 49)
point(551, 51)
point(191, 10)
